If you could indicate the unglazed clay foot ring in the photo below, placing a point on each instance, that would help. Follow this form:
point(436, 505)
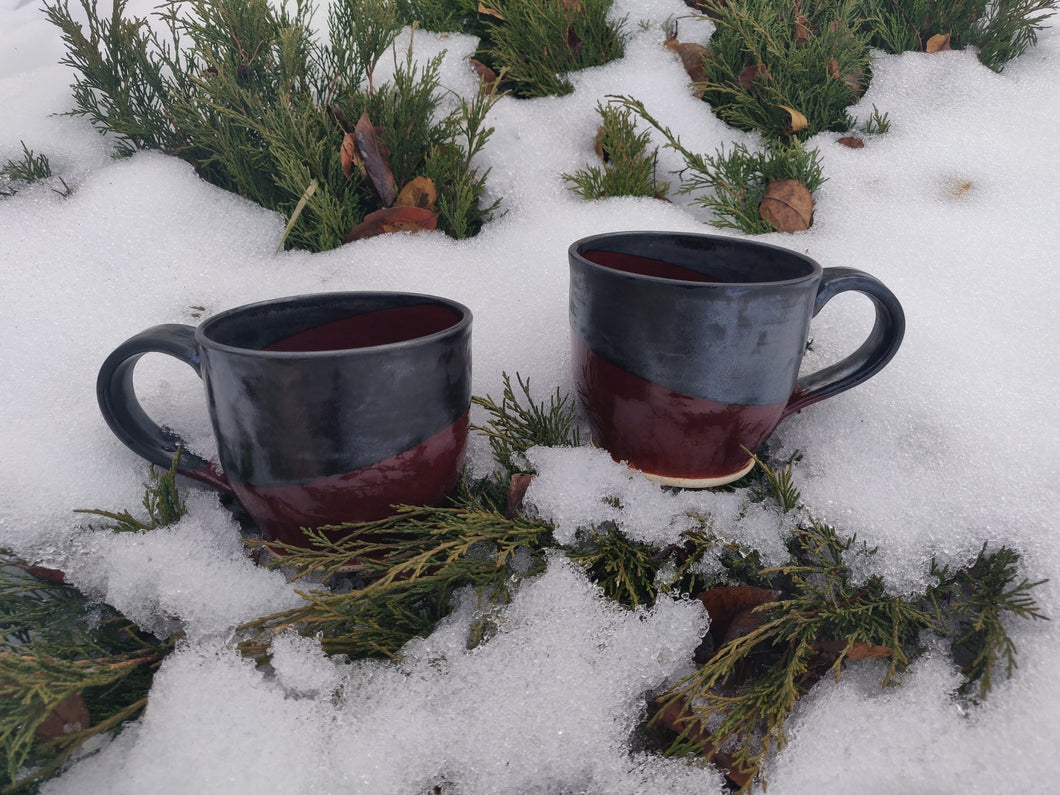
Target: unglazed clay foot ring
point(700, 483)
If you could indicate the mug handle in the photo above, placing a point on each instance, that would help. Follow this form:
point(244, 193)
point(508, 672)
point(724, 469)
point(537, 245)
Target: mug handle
point(878, 349)
point(126, 417)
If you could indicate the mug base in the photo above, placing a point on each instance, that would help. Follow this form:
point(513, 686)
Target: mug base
point(689, 483)
point(699, 483)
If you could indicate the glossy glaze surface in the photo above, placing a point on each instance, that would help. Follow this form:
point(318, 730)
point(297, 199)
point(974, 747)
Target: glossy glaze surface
point(424, 475)
point(687, 348)
point(326, 408)
point(664, 433)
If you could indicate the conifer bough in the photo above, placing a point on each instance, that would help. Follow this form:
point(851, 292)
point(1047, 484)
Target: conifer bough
point(243, 91)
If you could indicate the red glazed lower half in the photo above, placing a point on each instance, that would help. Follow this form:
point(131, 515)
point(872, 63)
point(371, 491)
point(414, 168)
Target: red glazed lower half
point(424, 475)
point(672, 438)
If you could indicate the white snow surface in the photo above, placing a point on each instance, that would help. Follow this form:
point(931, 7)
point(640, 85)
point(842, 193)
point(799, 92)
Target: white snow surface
point(955, 444)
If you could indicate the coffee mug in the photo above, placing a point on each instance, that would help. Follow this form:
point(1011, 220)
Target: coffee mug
point(686, 348)
point(326, 408)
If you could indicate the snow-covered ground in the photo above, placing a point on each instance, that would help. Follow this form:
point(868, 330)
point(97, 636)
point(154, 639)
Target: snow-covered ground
point(955, 443)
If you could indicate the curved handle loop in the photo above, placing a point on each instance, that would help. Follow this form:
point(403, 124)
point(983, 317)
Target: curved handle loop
point(126, 417)
point(878, 349)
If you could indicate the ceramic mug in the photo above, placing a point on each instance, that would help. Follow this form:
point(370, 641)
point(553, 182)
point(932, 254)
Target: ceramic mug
point(686, 348)
point(326, 408)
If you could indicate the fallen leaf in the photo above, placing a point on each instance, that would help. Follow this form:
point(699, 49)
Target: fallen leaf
point(798, 121)
point(726, 601)
point(787, 205)
point(419, 192)
point(490, 12)
point(833, 68)
point(486, 76)
point(751, 73)
point(938, 43)
point(852, 141)
point(598, 145)
point(348, 155)
point(70, 715)
point(691, 56)
point(729, 604)
point(393, 219)
point(679, 719)
point(803, 30)
point(855, 81)
point(574, 41)
point(53, 576)
point(376, 159)
point(517, 486)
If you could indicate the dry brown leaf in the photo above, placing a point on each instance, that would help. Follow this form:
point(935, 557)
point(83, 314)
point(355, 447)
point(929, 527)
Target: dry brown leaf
point(490, 12)
point(598, 145)
point(348, 155)
point(54, 576)
point(833, 68)
point(691, 56)
point(803, 30)
point(798, 121)
point(70, 715)
point(376, 159)
point(732, 611)
point(419, 192)
point(787, 205)
point(855, 81)
point(751, 73)
point(852, 141)
point(517, 486)
point(678, 718)
point(487, 77)
point(938, 43)
point(393, 219)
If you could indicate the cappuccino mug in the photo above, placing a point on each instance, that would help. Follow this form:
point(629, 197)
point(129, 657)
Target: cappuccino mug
point(326, 408)
point(686, 348)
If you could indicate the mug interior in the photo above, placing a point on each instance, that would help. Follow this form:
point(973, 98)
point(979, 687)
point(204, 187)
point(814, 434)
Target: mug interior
point(695, 258)
point(333, 322)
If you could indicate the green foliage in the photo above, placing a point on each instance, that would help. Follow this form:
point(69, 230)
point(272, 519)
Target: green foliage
point(973, 600)
point(768, 58)
point(56, 647)
point(439, 15)
point(629, 167)
point(513, 428)
point(735, 181)
point(241, 90)
point(536, 43)
point(407, 568)
point(161, 500)
point(625, 570)
point(1000, 30)
point(740, 698)
point(29, 168)
point(878, 123)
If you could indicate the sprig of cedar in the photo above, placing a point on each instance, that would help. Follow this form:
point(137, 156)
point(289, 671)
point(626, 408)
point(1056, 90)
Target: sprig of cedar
point(71, 668)
point(776, 631)
point(243, 91)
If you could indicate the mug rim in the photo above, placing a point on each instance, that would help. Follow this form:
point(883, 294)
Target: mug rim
point(202, 338)
point(575, 253)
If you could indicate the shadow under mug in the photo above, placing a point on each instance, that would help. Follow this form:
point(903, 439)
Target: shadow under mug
point(686, 348)
point(326, 408)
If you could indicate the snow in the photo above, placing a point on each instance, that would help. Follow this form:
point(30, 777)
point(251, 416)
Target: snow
point(955, 443)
